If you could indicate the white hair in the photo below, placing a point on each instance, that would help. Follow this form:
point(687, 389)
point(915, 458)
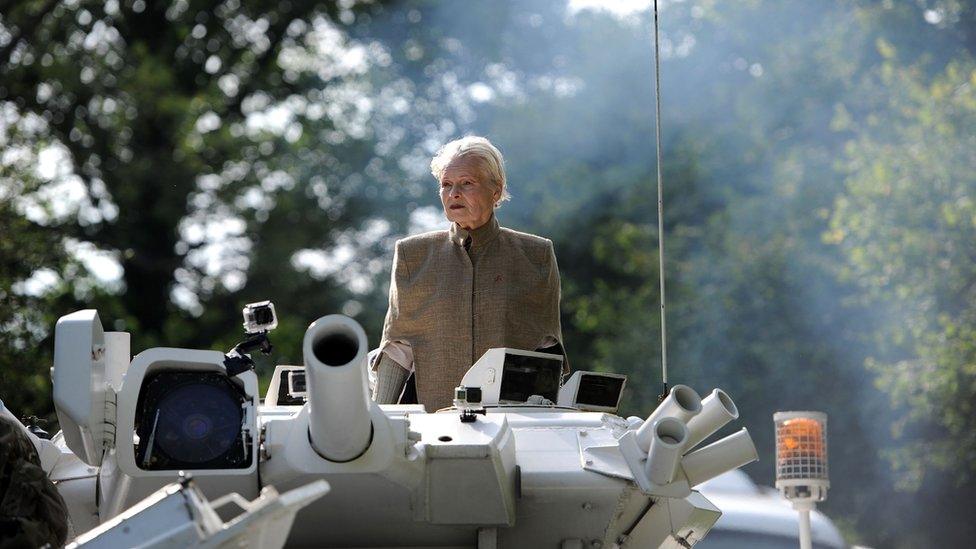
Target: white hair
point(480, 148)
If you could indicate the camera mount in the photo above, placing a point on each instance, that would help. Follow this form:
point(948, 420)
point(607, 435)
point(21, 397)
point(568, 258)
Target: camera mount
point(259, 320)
point(468, 402)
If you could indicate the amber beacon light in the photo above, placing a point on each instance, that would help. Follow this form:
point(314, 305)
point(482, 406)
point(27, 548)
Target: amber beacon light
point(801, 463)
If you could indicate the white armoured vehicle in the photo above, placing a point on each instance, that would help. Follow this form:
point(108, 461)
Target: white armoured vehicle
point(520, 461)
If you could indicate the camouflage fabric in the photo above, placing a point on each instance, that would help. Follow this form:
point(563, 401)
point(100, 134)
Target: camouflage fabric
point(32, 513)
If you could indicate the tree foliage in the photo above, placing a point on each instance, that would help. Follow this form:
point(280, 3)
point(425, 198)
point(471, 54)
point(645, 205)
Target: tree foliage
point(818, 191)
point(170, 134)
point(171, 119)
point(907, 224)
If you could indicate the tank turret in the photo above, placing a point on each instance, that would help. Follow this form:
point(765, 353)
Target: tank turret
point(522, 460)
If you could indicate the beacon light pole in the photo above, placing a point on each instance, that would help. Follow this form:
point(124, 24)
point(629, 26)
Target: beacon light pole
point(801, 463)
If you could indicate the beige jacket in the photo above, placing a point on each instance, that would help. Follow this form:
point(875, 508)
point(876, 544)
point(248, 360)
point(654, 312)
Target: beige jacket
point(450, 305)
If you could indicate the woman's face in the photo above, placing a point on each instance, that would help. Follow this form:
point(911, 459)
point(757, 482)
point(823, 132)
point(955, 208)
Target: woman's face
point(466, 194)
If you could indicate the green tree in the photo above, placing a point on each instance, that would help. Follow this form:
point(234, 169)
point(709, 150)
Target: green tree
point(907, 225)
point(25, 255)
point(174, 120)
point(784, 122)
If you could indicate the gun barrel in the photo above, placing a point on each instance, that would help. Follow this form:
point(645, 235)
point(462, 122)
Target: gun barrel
point(665, 453)
point(682, 403)
point(717, 410)
point(719, 457)
point(339, 424)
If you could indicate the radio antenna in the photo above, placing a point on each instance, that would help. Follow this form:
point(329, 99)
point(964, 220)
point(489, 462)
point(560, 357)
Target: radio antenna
point(660, 204)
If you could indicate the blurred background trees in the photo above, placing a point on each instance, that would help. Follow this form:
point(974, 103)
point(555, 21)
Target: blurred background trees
point(168, 162)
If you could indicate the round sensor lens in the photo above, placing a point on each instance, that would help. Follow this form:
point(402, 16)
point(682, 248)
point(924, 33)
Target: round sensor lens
point(198, 422)
point(197, 426)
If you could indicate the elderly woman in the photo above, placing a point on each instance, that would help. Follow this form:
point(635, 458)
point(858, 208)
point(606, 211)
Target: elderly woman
point(455, 294)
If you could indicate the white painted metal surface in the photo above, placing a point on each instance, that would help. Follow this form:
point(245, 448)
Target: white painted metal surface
point(335, 365)
point(519, 475)
point(717, 410)
point(80, 385)
point(178, 515)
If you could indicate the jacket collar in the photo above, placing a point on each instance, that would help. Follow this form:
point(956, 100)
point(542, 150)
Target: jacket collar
point(479, 237)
